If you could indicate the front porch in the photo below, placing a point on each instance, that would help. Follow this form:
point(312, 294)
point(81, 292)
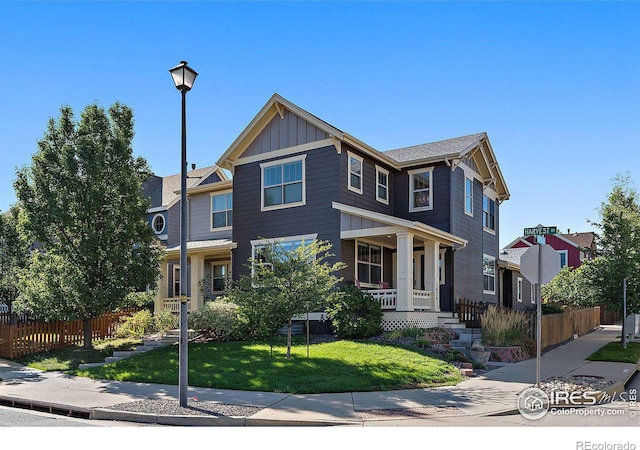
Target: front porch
point(208, 269)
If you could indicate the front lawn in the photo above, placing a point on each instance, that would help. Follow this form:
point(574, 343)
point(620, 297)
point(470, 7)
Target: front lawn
point(613, 352)
point(340, 366)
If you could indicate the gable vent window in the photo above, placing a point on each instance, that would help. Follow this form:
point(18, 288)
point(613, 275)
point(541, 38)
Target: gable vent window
point(158, 224)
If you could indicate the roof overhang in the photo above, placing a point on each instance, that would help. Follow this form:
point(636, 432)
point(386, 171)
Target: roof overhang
point(202, 247)
point(395, 224)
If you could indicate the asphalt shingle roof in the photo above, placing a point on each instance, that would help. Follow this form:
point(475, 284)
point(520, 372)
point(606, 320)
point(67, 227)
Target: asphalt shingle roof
point(512, 255)
point(584, 239)
point(171, 184)
point(434, 149)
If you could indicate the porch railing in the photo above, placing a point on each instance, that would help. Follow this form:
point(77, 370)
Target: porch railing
point(173, 304)
point(389, 299)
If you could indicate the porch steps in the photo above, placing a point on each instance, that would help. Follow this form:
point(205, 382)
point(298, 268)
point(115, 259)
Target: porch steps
point(147, 345)
point(466, 336)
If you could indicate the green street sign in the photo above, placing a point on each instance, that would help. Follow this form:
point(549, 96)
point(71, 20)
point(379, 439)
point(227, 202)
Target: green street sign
point(540, 231)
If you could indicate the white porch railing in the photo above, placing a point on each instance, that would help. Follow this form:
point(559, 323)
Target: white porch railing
point(389, 299)
point(173, 304)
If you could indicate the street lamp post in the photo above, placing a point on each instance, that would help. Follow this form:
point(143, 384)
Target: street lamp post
point(183, 77)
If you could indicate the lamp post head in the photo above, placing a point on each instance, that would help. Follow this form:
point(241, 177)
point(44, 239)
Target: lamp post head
point(183, 76)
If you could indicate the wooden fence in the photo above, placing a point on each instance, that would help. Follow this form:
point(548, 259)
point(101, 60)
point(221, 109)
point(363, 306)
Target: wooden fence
point(469, 312)
point(561, 327)
point(32, 337)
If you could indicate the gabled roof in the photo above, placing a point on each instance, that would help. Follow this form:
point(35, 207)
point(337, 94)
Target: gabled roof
point(440, 149)
point(584, 239)
point(451, 150)
point(510, 257)
point(170, 185)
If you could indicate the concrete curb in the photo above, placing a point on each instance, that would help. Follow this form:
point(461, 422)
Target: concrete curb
point(177, 420)
point(43, 406)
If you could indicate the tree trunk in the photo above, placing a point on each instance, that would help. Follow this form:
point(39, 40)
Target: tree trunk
point(289, 339)
point(86, 329)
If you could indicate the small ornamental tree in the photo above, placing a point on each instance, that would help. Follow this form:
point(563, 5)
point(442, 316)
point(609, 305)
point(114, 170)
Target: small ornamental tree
point(82, 197)
point(286, 282)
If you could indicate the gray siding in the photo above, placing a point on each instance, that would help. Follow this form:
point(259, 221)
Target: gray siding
point(366, 200)
point(317, 216)
point(200, 219)
point(283, 133)
point(173, 225)
point(439, 216)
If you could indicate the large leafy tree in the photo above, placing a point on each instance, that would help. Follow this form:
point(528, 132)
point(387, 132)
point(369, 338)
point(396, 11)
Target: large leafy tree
point(82, 196)
point(286, 283)
point(14, 254)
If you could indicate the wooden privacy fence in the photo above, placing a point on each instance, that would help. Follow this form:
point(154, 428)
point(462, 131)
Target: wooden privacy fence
point(26, 338)
point(469, 312)
point(558, 328)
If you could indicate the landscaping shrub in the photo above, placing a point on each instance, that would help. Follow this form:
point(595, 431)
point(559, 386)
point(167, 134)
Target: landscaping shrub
point(136, 325)
point(411, 332)
point(164, 321)
point(355, 314)
point(504, 327)
point(219, 319)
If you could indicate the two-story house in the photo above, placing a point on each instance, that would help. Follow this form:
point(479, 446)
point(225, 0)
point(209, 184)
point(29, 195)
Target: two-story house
point(417, 226)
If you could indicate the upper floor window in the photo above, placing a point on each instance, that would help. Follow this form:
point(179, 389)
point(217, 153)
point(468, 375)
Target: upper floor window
point(158, 224)
point(488, 274)
point(564, 255)
point(421, 189)
point(468, 196)
point(355, 173)
point(283, 183)
point(382, 185)
point(488, 213)
point(221, 210)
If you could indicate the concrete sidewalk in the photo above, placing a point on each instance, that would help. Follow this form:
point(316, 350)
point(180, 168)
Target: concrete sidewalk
point(493, 393)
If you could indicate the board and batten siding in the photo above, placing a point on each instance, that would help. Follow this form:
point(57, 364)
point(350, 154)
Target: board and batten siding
point(284, 133)
point(316, 216)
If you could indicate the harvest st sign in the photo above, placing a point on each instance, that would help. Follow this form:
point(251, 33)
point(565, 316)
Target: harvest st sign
point(540, 231)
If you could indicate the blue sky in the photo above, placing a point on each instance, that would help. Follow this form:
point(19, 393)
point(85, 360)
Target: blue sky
point(556, 85)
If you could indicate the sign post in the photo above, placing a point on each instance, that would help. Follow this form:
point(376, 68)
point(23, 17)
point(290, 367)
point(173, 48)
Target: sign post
point(539, 265)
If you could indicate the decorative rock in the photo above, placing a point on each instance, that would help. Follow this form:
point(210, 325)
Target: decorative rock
point(466, 365)
point(466, 372)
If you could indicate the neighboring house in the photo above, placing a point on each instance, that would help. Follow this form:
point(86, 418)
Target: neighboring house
point(516, 291)
point(417, 226)
point(573, 248)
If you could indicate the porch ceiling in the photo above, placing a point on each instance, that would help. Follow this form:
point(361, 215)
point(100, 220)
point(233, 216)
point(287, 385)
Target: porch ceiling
point(203, 247)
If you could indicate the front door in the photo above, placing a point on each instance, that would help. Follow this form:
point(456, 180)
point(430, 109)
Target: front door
point(507, 289)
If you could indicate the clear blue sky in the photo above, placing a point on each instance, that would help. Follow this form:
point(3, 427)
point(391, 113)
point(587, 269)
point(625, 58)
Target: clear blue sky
point(556, 85)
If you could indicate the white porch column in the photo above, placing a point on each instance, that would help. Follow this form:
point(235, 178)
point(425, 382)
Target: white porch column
point(432, 272)
point(161, 291)
point(197, 274)
point(404, 301)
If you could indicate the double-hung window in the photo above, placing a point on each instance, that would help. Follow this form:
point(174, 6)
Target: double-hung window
point(564, 255)
point(221, 210)
point(382, 185)
point(369, 263)
point(468, 196)
point(355, 173)
point(421, 189)
point(488, 274)
point(283, 183)
point(488, 213)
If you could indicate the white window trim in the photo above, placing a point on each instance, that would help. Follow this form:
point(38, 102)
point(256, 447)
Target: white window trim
point(369, 285)
point(280, 162)
point(164, 224)
point(519, 289)
point(258, 242)
point(173, 287)
point(533, 293)
point(492, 196)
point(214, 194)
point(421, 208)
point(227, 276)
point(466, 195)
point(566, 257)
point(492, 258)
point(361, 160)
point(380, 170)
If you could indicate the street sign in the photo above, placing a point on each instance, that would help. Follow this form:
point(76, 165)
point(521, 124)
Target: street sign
point(540, 271)
point(540, 231)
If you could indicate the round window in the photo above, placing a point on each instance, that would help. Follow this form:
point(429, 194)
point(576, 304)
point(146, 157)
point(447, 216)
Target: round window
point(158, 224)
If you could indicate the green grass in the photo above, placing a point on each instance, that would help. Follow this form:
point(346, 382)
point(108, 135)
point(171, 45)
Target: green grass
point(69, 358)
point(340, 366)
point(613, 352)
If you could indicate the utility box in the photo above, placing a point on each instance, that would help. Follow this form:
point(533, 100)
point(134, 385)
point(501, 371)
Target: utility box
point(632, 325)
